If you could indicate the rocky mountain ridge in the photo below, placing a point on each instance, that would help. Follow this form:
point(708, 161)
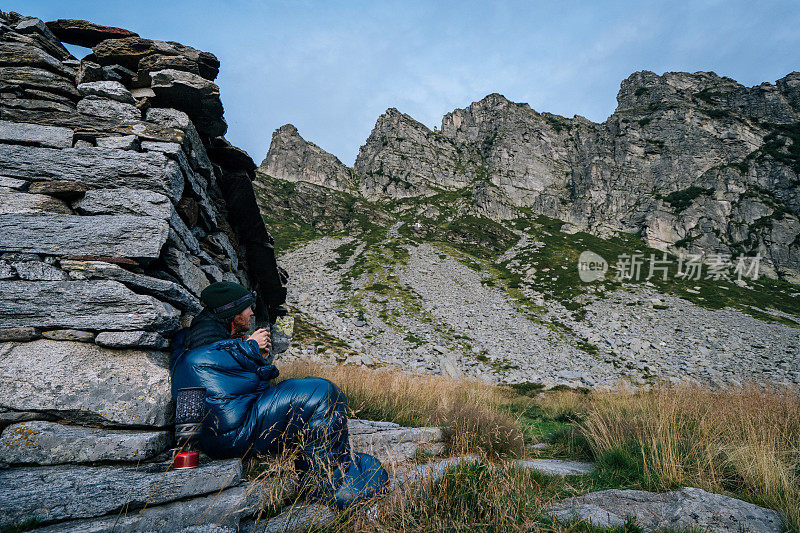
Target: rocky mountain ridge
point(693, 163)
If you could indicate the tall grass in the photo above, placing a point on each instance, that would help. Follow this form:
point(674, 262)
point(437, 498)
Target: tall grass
point(742, 441)
point(472, 411)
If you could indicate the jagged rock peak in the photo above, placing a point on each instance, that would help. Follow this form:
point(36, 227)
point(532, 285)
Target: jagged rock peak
point(392, 119)
point(402, 157)
point(648, 91)
point(292, 158)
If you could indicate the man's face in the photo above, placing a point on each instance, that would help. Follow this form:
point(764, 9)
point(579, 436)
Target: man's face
point(241, 322)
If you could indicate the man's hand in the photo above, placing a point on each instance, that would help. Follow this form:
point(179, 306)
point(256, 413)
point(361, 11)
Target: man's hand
point(261, 336)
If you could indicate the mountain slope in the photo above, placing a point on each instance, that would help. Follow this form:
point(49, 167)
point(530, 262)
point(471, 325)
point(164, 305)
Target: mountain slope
point(690, 162)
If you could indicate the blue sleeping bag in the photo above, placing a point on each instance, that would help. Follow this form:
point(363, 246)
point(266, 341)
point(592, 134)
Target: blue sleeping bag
point(245, 415)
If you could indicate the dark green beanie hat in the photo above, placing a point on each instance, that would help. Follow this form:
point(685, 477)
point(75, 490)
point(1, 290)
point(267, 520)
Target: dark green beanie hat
point(225, 299)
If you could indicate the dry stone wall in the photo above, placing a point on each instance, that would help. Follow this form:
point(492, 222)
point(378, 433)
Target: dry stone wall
point(116, 195)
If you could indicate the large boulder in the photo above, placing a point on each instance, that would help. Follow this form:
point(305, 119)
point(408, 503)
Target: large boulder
point(86, 383)
point(687, 508)
point(390, 442)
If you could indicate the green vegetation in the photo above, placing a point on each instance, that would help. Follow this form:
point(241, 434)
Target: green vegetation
point(738, 442)
point(783, 145)
point(682, 199)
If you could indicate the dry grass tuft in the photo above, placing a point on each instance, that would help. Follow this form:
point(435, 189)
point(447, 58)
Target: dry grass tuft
point(742, 441)
point(473, 411)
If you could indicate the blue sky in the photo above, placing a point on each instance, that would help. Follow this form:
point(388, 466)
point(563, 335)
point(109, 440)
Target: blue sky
point(331, 68)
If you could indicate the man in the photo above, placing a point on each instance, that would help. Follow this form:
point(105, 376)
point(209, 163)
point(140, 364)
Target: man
point(245, 415)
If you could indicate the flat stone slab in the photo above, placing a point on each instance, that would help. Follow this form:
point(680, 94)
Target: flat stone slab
point(680, 509)
point(48, 443)
point(132, 339)
point(69, 335)
point(557, 467)
point(84, 305)
point(167, 290)
point(392, 443)
point(101, 235)
point(21, 133)
point(96, 167)
point(85, 383)
point(13, 201)
point(51, 493)
point(125, 201)
point(219, 510)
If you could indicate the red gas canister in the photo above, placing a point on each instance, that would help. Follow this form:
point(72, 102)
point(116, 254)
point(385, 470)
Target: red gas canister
point(186, 460)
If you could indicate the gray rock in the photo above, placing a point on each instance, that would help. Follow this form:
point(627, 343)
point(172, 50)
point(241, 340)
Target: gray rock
point(556, 467)
point(6, 270)
point(125, 201)
point(62, 492)
point(102, 235)
point(193, 94)
point(298, 517)
point(96, 167)
point(63, 189)
point(143, 92)
point(69, 335)
point(132, 339)
point(195, 150)
point(686, 508)
point(88, 72)
point(40, 135)
point(118, 73)
point(12, 183)
point(49, 85)
point(112, 90)
point(104, 107)
point(162, 288)
point(38, 271)
point(120, 142)
point(12, 201)
point(43, 36)
point(220, 512)
point(25, 52)
point(48, 443)
point(22, 334)
point(129, 51)
point(86, 383)
point(190, 275)
point(413, 478)
point(392, 443)
point(91, 305)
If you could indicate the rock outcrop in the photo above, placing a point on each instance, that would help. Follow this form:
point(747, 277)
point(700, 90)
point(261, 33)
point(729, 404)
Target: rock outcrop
point(292, 158)
point(687, 508)
point(692, 163)
point(120, 201)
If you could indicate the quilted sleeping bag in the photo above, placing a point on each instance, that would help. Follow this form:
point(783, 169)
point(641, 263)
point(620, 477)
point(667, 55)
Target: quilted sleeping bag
point(245, 415)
